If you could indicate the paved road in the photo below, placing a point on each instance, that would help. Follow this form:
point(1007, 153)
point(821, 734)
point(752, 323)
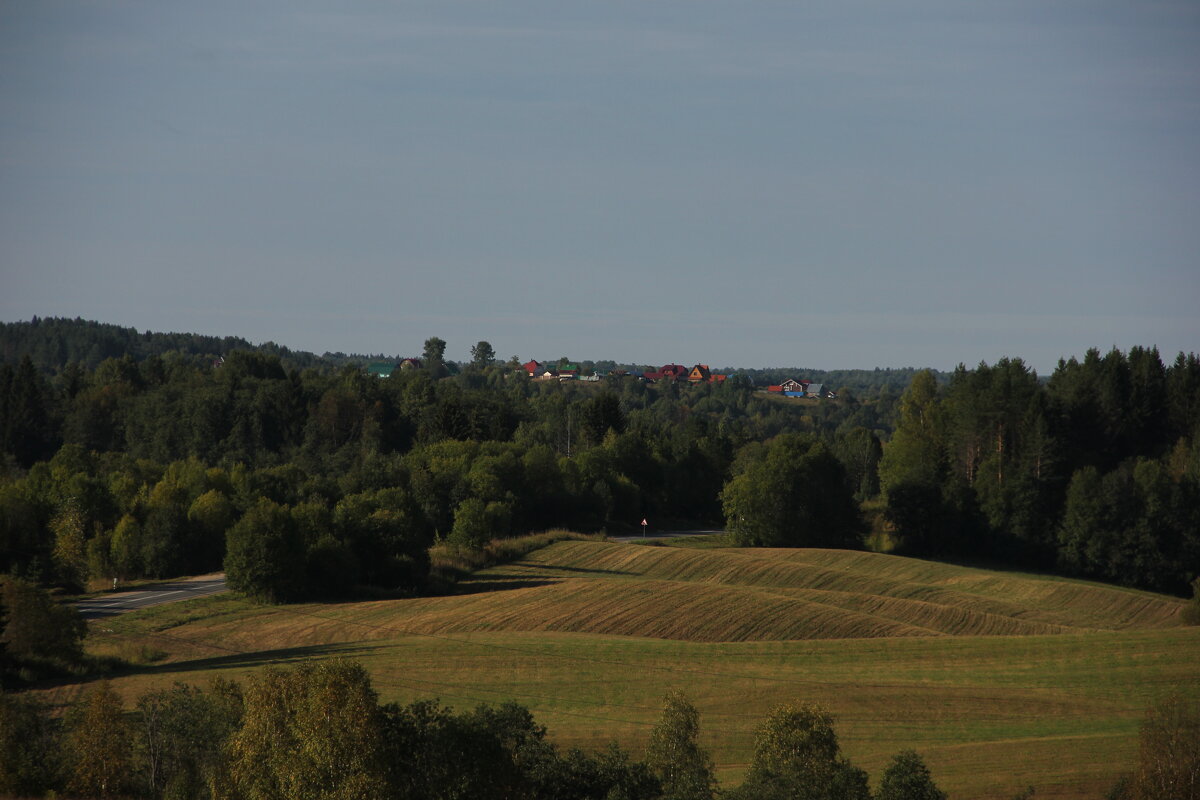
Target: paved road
point(661, 535)
point(119, 602)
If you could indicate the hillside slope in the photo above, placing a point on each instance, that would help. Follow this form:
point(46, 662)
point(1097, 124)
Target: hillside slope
point(722, 596)
point(591, 635)
point(763, 594)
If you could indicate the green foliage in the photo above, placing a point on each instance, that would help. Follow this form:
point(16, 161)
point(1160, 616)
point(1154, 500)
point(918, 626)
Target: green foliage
point(26, 425)
point(99, 745)
point(29, 747)
point(311, 733)
point(434, 356)
point(916, 451)
point(146, 417)
point(70, 547)
point(36, 628)
point(482, 355)
point(860, 451)
point(907, 778)
point(264, 556)
point(1191, 614)
point(792, 495)
point(796, 755)
point(431, 752)
point(182, 733)
point(477, 522)
point(675, 756)
point(1090, 471)
point(922, 521)
point(125, 547)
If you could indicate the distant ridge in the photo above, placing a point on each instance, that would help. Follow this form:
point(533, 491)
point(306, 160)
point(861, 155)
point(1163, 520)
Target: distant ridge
point(53, 342)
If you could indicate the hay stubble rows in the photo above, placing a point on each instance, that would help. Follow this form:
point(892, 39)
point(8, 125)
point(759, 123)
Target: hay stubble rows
point(1001, 680)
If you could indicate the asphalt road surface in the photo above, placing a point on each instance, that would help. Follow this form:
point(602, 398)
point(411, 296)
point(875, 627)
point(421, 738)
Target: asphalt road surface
point(119, 602)
point(661, 535)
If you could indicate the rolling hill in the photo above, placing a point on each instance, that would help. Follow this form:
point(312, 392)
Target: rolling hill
point(1001, 680)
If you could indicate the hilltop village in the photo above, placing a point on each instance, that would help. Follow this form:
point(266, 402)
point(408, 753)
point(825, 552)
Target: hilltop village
point(677, 373)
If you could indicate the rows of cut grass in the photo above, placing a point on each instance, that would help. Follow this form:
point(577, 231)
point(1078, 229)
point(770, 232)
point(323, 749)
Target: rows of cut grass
point(1000, 680)
point(1090, 604)
point(723, 596)
point(940, 598)
point(990, 714)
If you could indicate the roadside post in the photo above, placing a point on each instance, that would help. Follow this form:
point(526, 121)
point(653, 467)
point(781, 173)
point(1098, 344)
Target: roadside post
point(643, 527)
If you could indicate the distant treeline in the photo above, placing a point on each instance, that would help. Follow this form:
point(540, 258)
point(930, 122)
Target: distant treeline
point(54, 343)
point(1095, 471)
point(320, 480)
point(337, 480)
point(856, 380)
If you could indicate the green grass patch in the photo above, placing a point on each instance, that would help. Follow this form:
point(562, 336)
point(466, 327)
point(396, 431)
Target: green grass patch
point(590, 635)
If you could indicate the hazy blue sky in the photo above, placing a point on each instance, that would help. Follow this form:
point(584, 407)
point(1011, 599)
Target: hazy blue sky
point(847, 184)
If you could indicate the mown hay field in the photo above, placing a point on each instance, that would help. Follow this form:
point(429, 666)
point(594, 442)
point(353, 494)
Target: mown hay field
point(999, 680)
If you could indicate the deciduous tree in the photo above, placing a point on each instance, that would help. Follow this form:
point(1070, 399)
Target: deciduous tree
point(1169, 752)
point(793, 495)
point(309, 733)
point(797, 757)
point(37, 627)
point(434, 356)
point(29, 747)
point(183, 731)
point(674, 754)
point(907, 778)
point(99, 745)
point(264, 554)
point(482, 355)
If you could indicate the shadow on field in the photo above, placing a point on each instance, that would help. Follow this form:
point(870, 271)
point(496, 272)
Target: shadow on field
point(282, 656)
point(235, 660)
point(583, 570)
point(502, 585)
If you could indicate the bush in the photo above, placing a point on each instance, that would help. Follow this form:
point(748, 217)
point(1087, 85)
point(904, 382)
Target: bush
point(264, 555)
point(38, 629)
point(1169, 752)
point(1191, 612)
point(907, 778)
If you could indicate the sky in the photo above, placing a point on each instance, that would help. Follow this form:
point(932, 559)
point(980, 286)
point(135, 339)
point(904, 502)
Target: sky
point(833, 185)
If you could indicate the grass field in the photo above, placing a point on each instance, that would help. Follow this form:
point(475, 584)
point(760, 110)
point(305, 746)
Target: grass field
point(1000, 680)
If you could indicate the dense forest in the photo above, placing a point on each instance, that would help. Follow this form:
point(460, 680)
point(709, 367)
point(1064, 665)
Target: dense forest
point(305, 476)
point(324, 478)
point(1095, 472)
